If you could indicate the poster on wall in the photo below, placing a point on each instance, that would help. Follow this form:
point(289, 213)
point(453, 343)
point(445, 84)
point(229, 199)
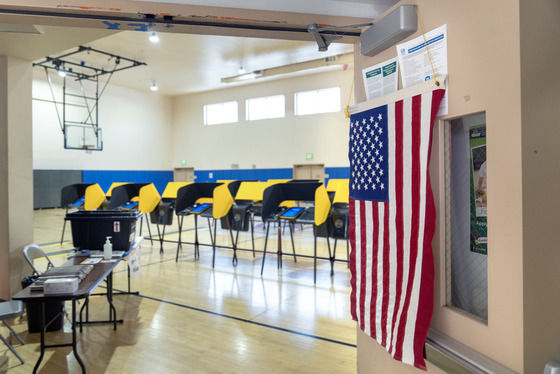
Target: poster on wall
point(416, 64)
point(479, 199)
point(381, 79)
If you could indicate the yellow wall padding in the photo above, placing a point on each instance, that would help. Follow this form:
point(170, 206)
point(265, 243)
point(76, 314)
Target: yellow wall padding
point(342, 193)
point(116, 184)
point(171, 189)
point(222, 201)
point(94, 197)
point(251, 191)
point(333, 184)
point(322, 205)
point(149, 198)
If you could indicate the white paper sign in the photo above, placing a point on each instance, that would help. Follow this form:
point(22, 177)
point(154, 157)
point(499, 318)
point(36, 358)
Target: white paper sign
point(381, 79)
point(415, 63)
point(134, 265)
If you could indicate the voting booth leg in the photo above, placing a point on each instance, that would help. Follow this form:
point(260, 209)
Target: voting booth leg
point(279, 252)
point(213, 239)
point(265, 243)
point(314, 259)
point(196, 253)
point(179, 245)
point(63, 228)
point(291, 224)
point(142, 224)
point(251, 217)
point(160, 237)
point(150, 232)
point(331, 257)
point(233, 243)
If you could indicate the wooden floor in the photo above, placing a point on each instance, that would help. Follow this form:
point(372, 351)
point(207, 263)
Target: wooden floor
point(190, 318)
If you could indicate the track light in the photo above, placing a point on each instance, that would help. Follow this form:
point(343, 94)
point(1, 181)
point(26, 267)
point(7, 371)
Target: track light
point(154, 87)
point(154, 38)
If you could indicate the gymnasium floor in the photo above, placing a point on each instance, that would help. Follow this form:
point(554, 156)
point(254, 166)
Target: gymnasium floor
point(190, 318)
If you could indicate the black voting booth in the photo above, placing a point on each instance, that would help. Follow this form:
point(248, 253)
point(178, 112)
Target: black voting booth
point(185, 202)
point(239, 214)
point(72, 196)
point(186, 205)
point(272, 212)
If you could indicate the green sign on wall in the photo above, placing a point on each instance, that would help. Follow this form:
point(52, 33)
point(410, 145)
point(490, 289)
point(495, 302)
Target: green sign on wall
point(479, 199)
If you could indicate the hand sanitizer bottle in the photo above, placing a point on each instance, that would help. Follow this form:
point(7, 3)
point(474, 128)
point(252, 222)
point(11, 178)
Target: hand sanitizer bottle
point(108, 249)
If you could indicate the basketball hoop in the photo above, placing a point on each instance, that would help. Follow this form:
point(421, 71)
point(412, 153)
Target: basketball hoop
point(88, 148)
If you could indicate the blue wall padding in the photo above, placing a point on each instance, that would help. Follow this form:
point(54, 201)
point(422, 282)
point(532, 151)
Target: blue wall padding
point(242, 174)
point(105, 178)
point(160, 178)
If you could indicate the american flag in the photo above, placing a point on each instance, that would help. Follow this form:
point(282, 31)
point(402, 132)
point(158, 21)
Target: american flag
point(392, 222)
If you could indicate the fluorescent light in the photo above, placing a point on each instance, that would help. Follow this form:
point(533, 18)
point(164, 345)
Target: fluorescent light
point(154, 38)
point(243, 77)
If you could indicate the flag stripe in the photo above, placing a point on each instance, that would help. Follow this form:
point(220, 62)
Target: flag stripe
point(392, 207)
point(374, 272)
point(363, 254)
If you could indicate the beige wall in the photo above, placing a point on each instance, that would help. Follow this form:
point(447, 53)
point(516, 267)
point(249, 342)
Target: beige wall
point(540, 95)
point(270, 143)
point(483, 61)
point(16, 184)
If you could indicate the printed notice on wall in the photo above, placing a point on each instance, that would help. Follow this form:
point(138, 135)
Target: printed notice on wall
point(415, 63)
point(381, 79)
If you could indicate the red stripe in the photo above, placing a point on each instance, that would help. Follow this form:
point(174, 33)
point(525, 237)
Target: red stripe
point(353, 275)
point(386, 269)
point(426, 302)
point(363, 269)
point(375, 257)
point(398, 154)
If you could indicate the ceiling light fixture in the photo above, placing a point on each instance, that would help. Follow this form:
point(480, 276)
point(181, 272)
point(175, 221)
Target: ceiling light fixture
point(154, 87)
point(154, 38)
point(62, 73)
point(243, 77)
point(241, 70)
point(330, 62)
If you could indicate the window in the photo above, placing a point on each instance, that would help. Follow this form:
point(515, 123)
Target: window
point(266, 107)
point(466, 215)
point(214, 114)
point(318, 101)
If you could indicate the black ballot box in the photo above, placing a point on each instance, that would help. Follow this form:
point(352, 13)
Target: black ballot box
point(91, 228)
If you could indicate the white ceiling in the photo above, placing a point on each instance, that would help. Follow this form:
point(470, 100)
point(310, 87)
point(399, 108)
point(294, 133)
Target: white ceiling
point(186, 63)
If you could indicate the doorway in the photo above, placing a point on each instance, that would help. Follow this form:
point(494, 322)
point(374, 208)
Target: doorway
point(183, 175)
point(309, 171)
